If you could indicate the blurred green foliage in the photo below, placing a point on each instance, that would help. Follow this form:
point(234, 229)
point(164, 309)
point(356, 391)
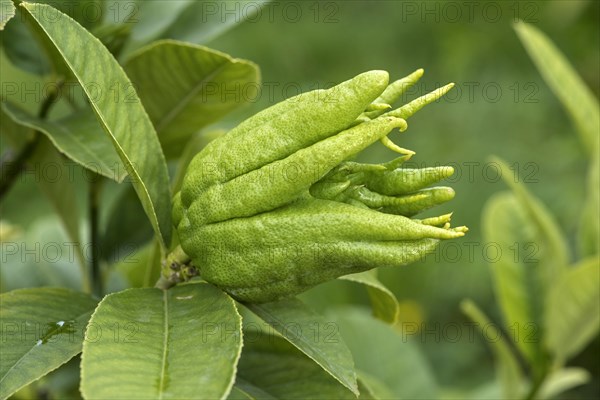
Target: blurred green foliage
point(500, 106)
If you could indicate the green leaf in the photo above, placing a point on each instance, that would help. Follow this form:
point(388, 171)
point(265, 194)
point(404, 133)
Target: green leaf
point(311, 334)
point(589, 229)
point(566, 84)
point(562, 380)
point(554, 251)
point(27, 46)
point(79, 137)
point(528, 253)
point(508, 370)
point(573, 309)
point(42, 255)
point(127, 227)
point(154, 18)
point(42, 329)
point(51, 175)
point(185, 87)
point(372, 388)
point(275, 367)
point(22, 48)
point(121, 114)
point(514, 249)
point(7, 11)
point(61, 193)
point(202, 22)
point(384, 303)
point(183, 343)
point(387, 356)
point(243, 390)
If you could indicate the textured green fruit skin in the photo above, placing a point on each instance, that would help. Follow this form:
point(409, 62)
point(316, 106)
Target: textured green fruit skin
point(245, 214)
point(284, 252)
point(281, 130)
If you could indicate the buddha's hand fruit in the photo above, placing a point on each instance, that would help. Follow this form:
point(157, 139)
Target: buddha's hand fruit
point(273, 208)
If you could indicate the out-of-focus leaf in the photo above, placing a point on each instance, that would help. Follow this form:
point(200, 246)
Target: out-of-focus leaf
point(7, 11)
point(384, 303)
point(553, 251)
point(79, 137)
point(311, 334)
point(530, 254)
point(42, 256)
point(372, 388)
point(123, 118)
point(583, 107)
point(274, 366)
point(204, 21)
point(243, 390)
point(155, 17)
point(589, 228)
point(52, 176)
point(42, 329)
point(127, 227)
point(388, 356)
point(60, 190)
point(21, 47)
point(573, 309)
point(185, 87)
point(562, 380)
point(28, 48)
point(507, 367)
point(180, 343)
point(566, 84)
point(518, 271)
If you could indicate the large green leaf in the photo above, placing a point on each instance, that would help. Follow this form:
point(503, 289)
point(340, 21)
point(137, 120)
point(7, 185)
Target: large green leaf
point(183, 343)
point(573, 309)
point(384, 303)
point(508, 370)
point(185, 87)
point(274, 366)
point(385, 355)
point(79, 137)
point(118, 109)
point(311, 334)
point(42, 329)
point(513, 249)
point(566, 84)
point(7, 11)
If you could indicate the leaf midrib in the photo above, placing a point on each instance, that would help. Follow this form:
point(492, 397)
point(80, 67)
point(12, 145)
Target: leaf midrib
point(163, 368)
point(178, 109)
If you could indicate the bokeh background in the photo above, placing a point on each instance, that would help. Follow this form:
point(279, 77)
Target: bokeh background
point(500, 106)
